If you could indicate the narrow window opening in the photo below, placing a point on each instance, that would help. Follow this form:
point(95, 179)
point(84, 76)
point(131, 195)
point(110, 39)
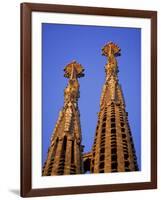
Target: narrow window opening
point(101, 165)
point(102, 157)
point(114, 157)
point(102, 150)
point(113, 130)
point(126, 156)
point(114, 165)
point(104, 125)
point(113, 150)
point(112, 119)
point(103, 130)
point(127, 163)
point(122, 129)
point(104, 119)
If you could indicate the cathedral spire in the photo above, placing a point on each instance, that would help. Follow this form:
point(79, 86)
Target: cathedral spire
point(65, 151)
point(113, 149)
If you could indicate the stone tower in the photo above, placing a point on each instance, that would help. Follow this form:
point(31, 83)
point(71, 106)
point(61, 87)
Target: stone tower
point(65, 151)
point(113, 147)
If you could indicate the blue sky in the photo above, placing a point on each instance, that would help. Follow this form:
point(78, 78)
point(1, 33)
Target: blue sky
point(63, 43)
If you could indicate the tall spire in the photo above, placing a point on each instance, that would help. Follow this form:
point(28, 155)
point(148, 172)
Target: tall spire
point(65, 151)
point(113, 148)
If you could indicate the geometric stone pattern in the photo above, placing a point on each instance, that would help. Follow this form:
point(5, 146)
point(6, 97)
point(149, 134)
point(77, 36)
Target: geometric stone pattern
point(65, 151)
point(113, 148)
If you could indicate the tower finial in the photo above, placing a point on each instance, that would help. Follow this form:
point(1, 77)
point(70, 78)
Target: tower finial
point(111, 51)
point(111, 48)
point(73, 70)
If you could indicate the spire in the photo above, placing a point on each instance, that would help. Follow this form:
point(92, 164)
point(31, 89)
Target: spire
point(65, 151)
point(113, 149)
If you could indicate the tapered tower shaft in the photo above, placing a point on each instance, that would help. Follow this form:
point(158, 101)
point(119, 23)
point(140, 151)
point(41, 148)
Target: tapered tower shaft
point(113, 147)
point(65, 151)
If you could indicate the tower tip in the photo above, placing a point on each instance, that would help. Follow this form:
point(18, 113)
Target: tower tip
point(73, 69)
point(111, 48)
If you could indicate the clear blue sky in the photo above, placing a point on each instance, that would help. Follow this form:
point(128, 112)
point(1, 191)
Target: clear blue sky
point(63, 43)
